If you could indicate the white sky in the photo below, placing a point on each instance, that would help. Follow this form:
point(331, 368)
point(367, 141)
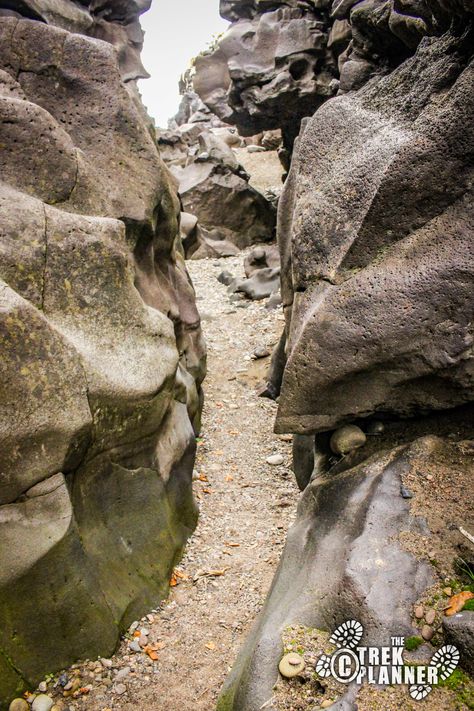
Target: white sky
point(175, 32)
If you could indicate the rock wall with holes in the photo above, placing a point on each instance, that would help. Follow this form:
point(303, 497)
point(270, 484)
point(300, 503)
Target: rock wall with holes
point(102, 356)
point(375, 231)
point(274, 65)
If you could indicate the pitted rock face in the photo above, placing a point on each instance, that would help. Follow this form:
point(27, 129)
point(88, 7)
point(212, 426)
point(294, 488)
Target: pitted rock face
point(114, 21)
point(271, 68)
point(281, 59)
point(101, 351)
point(377, 248)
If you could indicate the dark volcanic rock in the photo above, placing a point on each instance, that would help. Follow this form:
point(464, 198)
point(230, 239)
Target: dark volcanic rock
point(114, 22)
point(376, 246)
point(271, 68)
point(459, 630)
point(225, 204)
point(101, 350)
point(215, 188)
point(341, 557)
point(260, 285)
point(262, 257)
point(281, 59)
point(199, 243)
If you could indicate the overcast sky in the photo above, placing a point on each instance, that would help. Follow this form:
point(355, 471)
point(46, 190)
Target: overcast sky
point(175, 32)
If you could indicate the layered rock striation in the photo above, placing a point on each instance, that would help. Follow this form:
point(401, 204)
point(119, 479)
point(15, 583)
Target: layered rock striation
point(102, 356)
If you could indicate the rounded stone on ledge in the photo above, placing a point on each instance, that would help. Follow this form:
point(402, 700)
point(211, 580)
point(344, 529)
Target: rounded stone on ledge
point(326, 703)
point(291, 665)
point(346, 439)
point(19, 705)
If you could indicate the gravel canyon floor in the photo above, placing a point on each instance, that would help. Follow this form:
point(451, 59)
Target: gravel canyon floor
point(246, 506)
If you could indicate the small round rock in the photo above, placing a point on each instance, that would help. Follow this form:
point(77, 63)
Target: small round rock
point(375, 427)
point(42, 703)
point(427, 632)
point(275, 459)
point(291, 665)
point(19, 705)
point(430, 617)
point(346, 439)
point(326, 703)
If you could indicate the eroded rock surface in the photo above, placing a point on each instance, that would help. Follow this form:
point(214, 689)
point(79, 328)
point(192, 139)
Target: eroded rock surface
point(376, 223)
point(272, 67)
point(215, 187)
point(375, 233)
point(341, 558)
point(101, 351)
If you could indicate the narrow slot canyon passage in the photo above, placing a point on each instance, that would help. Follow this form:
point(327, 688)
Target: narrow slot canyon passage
point(236, 355)
point(246, 506)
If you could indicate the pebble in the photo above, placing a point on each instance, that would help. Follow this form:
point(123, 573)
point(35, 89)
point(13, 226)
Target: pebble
point(42, 703)
point(120, 689)
point(427, 632)
point(419, 612)
point(275, 459)
point(430, 617)
point(448, 591)
point(406, 493)
point(122, 674)
point(42, 686)
point(261, 352)
point(291, 665)
point(107, 663)
point(19, 705)
point(225, 278)
point(327, 703)
point(134, 646)
point(346, 439)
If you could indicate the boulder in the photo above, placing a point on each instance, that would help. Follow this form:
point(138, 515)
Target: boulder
point(102, 356)
point(459, 630)
point(225, 204)
point(261, 257)
point(199, 243)
point(260, 285)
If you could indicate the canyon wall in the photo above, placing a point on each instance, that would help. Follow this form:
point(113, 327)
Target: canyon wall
point(102, 356)
point(375, 230)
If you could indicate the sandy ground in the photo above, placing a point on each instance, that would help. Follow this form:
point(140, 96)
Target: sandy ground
point(246, 506)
